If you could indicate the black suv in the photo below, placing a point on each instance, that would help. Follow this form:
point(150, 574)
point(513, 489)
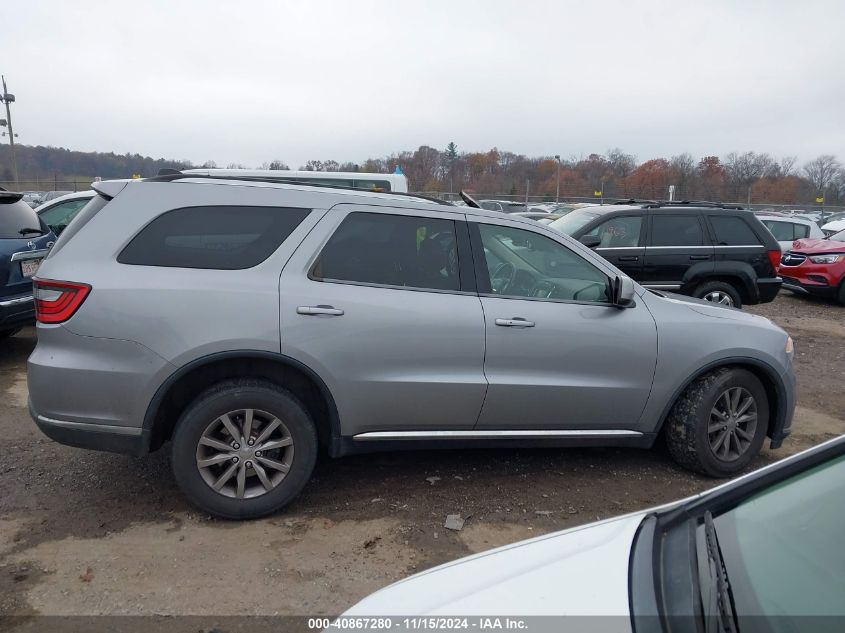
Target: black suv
point(721, 253)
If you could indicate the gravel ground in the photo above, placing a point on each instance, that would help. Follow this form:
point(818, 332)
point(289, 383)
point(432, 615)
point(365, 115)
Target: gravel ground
point(93, 533)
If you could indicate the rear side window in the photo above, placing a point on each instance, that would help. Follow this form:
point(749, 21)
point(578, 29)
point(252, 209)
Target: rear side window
point(391, 250)
point(733, 231)
point(676, 230)
point(219, 237)
point(18, 220)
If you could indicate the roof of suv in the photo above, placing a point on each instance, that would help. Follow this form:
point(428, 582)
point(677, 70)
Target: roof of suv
point(338, 194)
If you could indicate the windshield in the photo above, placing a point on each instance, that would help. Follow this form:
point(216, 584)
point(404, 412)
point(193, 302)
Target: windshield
point(18, 220)
point(782, 548)
point(571, 222)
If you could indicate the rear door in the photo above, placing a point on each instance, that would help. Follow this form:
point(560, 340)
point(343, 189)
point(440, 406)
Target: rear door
point(381, 303)
point(737, 242)
point(677, 248)
point(623, 242)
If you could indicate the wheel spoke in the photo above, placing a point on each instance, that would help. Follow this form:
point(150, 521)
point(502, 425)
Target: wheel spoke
point(216, 459)
point(248, 415)
point(230, 426)
point(262, 475)
point(725, 300)
point(735, 396)
point(745, 405)
point(226, 476)
point(241, 481)
point(280, 443)
point(272, 463)
point(212, 443)
point(747, 418)
point(271, 426)
point(744, 434)
point(719, 441)
point(715, 427)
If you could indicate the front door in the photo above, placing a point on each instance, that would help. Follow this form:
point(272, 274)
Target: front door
point(559, 355)
point(381, 303)
point(622, 242)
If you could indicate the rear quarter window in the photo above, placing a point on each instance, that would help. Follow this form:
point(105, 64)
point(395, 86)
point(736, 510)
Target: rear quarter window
point(733, 231)
point(215, 237)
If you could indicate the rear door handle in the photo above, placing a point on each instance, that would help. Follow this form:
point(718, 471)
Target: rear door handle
point(630, 258)
point(699, 258)
point(319, 310)
point(515, 322)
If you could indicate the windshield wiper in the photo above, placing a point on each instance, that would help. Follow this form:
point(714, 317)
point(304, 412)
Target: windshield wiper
point(720, 612)
point(28, 231)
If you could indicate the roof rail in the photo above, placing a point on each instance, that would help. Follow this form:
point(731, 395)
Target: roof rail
point(694, 203)
point(634, 201)
point(169, 175)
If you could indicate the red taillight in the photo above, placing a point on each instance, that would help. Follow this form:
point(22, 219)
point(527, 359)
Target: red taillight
point(774, 258)
point(57, 301)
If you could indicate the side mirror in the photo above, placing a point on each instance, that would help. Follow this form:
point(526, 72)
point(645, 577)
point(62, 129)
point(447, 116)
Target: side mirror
point(623, 292)
point(590, 241)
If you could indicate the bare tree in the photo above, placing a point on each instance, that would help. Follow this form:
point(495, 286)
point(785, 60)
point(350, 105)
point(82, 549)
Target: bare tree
point(787, 165)
point(823, 172)
point(621, 164)
point(743, 170)
point(682, 174)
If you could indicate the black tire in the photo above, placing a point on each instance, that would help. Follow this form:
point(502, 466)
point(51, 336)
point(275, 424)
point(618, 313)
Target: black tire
point(240, 395)
point(8, 333)
point(687, 434)
point(841, 296)
point(714, 287)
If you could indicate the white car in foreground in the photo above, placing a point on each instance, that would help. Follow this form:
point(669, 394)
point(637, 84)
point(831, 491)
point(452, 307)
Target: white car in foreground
point(762, 552)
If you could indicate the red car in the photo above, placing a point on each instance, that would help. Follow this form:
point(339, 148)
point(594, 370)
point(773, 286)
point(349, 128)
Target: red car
point(816, 267)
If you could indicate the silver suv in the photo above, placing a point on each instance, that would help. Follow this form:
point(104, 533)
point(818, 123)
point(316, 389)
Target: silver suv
point(254, 323)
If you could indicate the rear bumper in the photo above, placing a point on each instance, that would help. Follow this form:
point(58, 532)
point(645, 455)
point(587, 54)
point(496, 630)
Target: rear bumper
point(17, 311)
point(767, 288)
point(98, 437)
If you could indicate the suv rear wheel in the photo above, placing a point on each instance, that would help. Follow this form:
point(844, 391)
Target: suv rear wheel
point(720, 292)
point(244, 449)
point(719, 423)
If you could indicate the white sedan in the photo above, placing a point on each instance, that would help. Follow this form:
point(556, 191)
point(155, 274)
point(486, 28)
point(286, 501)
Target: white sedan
point(763, 550)
point(788, 229)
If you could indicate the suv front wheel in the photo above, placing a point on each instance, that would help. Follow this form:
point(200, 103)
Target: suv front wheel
point(720, 292)
point(244, 449)
point(719, 423)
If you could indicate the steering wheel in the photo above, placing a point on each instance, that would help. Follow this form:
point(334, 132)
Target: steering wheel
point(502, 277)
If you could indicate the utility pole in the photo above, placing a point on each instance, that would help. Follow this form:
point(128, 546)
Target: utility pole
point(557, 194)
point(7, 99)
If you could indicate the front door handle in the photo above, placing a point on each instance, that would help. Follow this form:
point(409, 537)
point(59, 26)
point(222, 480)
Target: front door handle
point(699, 258)
point(629, 258)
point(514, 322)
point(319, 310)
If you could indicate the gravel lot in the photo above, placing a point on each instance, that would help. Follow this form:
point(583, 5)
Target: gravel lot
point(93, 533)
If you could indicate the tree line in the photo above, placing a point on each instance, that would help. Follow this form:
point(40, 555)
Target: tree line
point(743, 177)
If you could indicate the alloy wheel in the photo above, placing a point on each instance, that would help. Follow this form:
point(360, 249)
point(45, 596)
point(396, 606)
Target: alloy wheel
point(245, 453)
point(733, 423)
point(717, 296)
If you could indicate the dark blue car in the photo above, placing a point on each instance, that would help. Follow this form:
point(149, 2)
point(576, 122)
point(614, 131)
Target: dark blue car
point(24, 242)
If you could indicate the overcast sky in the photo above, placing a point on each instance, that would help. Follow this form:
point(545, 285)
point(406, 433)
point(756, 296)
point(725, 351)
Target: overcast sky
point(243, 81)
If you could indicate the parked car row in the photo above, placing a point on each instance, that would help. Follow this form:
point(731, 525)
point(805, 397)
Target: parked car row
point(257, 325)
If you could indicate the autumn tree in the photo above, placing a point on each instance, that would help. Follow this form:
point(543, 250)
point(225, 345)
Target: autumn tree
point(649, 180)
point(743, 170)
point(711, 176)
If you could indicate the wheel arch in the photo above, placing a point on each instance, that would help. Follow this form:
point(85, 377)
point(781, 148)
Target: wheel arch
point(190, 380)
point(768, 376)
point(738, 274)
